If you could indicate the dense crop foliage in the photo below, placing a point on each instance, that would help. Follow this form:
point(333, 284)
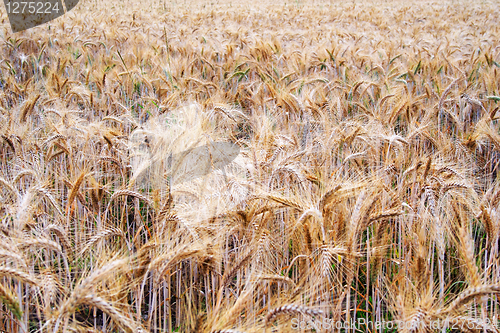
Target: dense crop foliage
point(366, 188)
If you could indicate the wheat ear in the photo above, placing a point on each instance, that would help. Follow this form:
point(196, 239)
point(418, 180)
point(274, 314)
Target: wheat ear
point(10, 301)
point(291, 309)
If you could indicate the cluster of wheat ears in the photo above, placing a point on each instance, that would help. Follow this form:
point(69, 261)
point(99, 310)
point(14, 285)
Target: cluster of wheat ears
point(365, 188)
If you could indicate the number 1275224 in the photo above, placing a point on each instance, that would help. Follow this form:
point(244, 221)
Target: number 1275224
point(32, 7)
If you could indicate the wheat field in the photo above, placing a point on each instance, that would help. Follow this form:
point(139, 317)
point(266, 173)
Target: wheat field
point(364, 190)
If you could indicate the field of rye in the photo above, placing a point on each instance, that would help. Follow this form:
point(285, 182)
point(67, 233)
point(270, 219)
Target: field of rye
point(365, 189)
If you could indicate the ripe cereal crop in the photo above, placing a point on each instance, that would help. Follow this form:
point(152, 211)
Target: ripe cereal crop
point(248, 166)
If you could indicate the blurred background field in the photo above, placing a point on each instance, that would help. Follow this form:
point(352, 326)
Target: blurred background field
point(366, 185)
